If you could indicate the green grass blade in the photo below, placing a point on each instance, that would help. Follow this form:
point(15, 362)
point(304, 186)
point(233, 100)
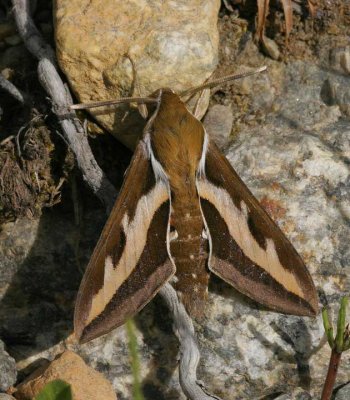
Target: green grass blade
point(134, 359)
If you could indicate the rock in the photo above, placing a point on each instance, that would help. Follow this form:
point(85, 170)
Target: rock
point(296, 163)
point(4, 396)
point(86, 383)
point(14, 57)
point(7, 29)
point(262, 88)
point(31, 309)
point(13, 40)
point(8, 372)
point(302, 150)
point(8, 73)
point(340, 59)
point(343, 393)
point(337, 92)
point(218, 123)
point(171, 43)
point(270, 48)
point(46, 28)
point(297, 394)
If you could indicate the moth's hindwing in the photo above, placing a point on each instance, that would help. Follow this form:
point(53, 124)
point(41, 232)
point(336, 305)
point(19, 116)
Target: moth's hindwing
point(130, 262)
point(247, 249)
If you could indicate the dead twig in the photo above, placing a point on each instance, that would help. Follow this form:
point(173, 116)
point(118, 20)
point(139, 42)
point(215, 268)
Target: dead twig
point(312, 7)
point(263, 9)
point(53, 84)
point(10, 88)
point(288, 5)
point(97, 181)
point(7, 140)
point(190, 355)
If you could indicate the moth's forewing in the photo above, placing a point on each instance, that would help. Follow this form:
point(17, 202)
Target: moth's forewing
point(130, 262)
point(248, 250)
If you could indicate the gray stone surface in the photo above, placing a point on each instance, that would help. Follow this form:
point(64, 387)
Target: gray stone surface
point(296, 161)
point(297, 394)
point(343, 393)
point(8, 372)
point(218, 123)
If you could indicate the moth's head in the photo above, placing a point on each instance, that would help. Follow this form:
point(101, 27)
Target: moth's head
point(177, 137)
point(160, 92)
point(167, 102)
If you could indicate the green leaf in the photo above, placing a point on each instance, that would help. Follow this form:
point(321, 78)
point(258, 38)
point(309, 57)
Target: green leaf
point(55, 390)
point(339, 340)
point(328, 327)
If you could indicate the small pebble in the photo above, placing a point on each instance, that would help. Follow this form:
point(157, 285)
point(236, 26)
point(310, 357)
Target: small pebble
point(46, 28)
point(270, 48)
point(13, 40)
point(6, 29)
point(218, 123)
point(340, 59)
point(8, 73)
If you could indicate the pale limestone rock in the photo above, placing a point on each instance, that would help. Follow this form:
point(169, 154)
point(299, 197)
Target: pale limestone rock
point(86, 383)
point(171, 43)
point(343, 393)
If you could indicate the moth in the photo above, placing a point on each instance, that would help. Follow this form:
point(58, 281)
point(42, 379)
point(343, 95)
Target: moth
point(182, 214)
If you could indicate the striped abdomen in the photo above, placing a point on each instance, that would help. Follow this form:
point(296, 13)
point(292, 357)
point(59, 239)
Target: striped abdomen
point(190, 253)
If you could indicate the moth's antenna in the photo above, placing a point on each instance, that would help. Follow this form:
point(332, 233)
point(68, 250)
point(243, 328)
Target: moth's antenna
point(122, 100)
point(220, 81)
point(145, 100)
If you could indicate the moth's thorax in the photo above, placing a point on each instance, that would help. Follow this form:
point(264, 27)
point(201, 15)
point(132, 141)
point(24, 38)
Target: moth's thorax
point(177, 139)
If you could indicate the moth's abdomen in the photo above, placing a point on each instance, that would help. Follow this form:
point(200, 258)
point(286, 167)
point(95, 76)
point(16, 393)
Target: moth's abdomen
point(189, 250)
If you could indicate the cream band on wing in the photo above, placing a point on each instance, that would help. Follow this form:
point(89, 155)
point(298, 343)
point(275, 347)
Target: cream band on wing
point(136, 236)
point(237, 223)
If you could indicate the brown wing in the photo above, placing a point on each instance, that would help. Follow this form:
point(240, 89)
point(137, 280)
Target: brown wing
point(248, 250)
point(130, 262)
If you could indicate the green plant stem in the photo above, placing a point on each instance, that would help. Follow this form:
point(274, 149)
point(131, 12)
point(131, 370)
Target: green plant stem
point(134, 357)
point(331, 375)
